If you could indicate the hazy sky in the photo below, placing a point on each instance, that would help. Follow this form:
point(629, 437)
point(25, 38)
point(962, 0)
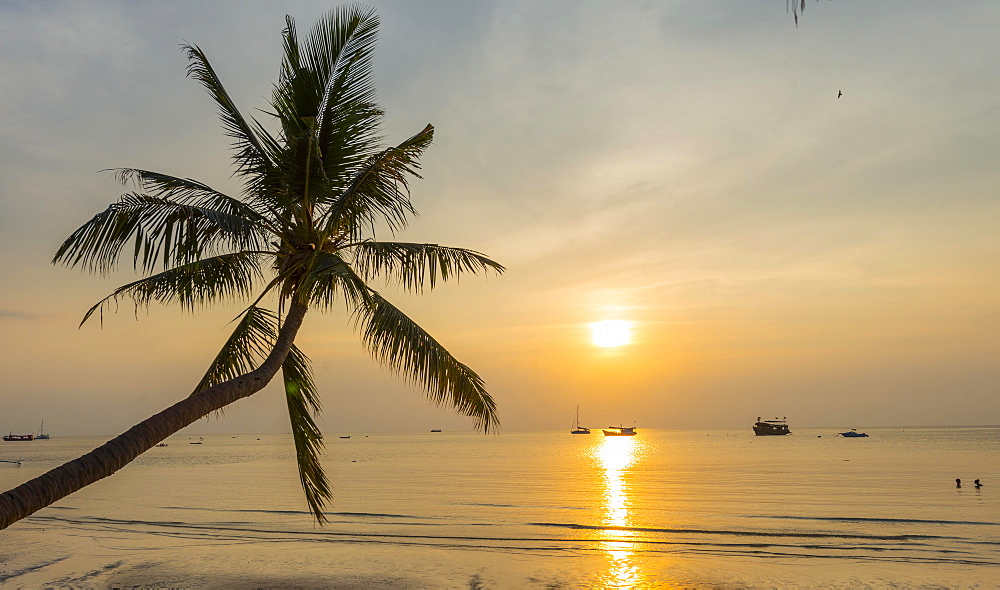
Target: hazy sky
point(684, 165)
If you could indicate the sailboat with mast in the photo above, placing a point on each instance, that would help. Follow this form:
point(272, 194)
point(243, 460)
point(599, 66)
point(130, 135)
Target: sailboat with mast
point(41, 432)
point(579, 429)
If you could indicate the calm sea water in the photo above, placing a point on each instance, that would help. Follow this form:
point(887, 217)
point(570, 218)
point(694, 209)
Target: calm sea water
point(711, 508)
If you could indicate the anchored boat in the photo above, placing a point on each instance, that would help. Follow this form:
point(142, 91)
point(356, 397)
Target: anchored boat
point(853, 434)
point(17, 437)
point(620, 431)
point(579, 429)
point(771, 427)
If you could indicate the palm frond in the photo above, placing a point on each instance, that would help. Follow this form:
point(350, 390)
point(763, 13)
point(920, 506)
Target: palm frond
point(164, 232)
point(325, 77)
point(304, 181)
point(303, 404)
point(250, 156)
point(380, 189)
point(343, 40)
point(398, 343)
point(340, 48)
point(224, 208)
point(228, 276)
point(330, 278)
point(245, 349)
point(415, 266)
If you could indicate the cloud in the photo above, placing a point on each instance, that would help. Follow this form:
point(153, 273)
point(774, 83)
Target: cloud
point(16, 315)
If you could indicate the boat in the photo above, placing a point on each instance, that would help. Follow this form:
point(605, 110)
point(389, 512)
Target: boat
point(620, 431)
point(579, 429)
point(164, 444)
point(41, 432)
point(15, 437)
point(435, 430)
point(771, 427)
point(348, 436)
point(853, 433)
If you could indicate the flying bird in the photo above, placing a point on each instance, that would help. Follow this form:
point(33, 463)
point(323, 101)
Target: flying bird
point(839, 94)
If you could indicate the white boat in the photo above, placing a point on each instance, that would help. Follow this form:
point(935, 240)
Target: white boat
point(620, 431)
point(41, 432)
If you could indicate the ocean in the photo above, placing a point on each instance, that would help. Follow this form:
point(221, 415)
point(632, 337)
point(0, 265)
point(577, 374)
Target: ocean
point(663, 509)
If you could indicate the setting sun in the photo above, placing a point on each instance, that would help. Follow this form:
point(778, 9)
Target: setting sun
point(610, 333)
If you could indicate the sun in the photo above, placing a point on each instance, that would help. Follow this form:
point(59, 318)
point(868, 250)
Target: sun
point(611, 333)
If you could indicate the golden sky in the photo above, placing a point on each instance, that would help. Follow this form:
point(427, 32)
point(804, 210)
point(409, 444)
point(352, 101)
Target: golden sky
point(684, 166)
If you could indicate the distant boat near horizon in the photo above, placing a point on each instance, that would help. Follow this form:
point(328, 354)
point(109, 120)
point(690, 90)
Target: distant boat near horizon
point(620, 431)
point(41, 432)
point(18, 437)
point(853, 433)
point(774, 427)
point(579, 429)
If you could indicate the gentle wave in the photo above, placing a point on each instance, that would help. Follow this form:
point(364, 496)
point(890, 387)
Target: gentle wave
point(739, 533)
point(914, 549)
point(27, 570)
point(867, 519)
point(299, 512)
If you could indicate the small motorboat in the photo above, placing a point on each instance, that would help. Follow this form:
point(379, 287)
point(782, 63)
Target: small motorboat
point(620, 431)
point(853, 433)
point(435, 430)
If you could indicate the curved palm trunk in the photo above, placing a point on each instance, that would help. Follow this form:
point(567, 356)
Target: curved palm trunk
point(62, 481)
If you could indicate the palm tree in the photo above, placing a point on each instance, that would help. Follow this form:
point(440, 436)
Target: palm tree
point(301, 234)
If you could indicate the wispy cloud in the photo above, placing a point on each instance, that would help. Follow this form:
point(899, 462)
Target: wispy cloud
point(13, 314)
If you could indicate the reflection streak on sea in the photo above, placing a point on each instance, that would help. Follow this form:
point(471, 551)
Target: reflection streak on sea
point(615, 455)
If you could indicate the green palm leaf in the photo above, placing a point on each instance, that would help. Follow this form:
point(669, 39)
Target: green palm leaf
point(197, 283)
point(380, 191)
point(340, 48)
point(251, 157)
point(415, 266)
point(164, 232)
point(227, 211)
point(303, 403)
point(330, 276)
point(398, 343)
point(327, 77)
point(324, 102)
point(249, 343)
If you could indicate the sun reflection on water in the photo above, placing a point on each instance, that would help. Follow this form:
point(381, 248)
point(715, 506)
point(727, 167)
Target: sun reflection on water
point(615, 455)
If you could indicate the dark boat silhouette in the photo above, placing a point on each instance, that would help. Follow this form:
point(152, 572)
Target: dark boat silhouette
point(18, 437)
point(771, 427)
point(579, 429)
point(853, 433)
